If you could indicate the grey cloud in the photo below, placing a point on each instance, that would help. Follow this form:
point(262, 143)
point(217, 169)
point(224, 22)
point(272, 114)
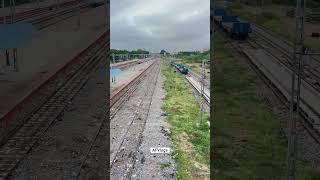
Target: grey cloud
point(181, 25)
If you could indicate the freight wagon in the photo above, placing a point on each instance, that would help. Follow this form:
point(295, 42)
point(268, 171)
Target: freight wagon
point(231, 25)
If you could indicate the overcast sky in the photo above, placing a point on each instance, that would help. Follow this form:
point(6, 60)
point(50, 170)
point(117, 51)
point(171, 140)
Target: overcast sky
point(174, 25)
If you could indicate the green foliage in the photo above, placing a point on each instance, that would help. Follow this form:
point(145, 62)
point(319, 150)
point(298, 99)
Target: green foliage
point(139, 51)
point(162, 51)
point(265, 17)
point(194, 57)
point(183, 111)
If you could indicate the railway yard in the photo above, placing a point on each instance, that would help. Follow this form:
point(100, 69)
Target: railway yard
point(53, 110)
point(267, 58)
point(138, 121)
point(53, 107)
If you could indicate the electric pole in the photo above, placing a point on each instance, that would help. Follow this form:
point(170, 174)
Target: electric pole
point(79, 13)
point(4, 17)
point(295, 90)
point(4, 22)
point(202, 81)
point(12, 10)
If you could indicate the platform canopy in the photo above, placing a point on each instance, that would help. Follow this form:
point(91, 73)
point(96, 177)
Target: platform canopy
point(15, 35)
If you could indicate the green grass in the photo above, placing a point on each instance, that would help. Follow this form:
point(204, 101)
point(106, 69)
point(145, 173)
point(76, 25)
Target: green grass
point(164, 165)
point(247, 143)
point(191, 144)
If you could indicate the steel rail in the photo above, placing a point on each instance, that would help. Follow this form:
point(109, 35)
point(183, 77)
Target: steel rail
point(207, 82)
point(305, 120)
point(22, 142)
point(38, 11)
point(27, 99)
point(145, 111)
point(205, 96)
point(285, 58)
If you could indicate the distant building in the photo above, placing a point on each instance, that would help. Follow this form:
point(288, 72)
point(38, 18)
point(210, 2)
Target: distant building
point(204, 50)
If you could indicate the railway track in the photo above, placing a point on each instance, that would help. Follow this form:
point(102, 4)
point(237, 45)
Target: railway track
point(305, 120)
point(55, 17)
point(23, 138)
point(124, 92)
point(197, 76)
point(194, 80)
point(45, 17)
point(23, 16)
point(311, 72)
point(124, 156)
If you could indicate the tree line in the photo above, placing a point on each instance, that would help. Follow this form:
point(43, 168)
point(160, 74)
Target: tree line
point(120, 51)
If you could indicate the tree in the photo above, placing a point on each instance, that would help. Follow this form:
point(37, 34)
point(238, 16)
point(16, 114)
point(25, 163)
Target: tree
point(162, 51)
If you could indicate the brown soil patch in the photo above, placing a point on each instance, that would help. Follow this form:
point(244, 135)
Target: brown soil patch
point(197, 170)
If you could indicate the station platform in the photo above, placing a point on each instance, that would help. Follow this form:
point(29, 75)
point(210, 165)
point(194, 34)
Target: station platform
point(126, 75)
point(43, 56)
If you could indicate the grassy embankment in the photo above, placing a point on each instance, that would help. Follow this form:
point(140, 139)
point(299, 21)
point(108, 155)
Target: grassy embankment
point(190, 144)
point(273, 17)
point(246, 143)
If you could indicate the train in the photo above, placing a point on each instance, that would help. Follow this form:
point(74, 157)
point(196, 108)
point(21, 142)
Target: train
point(179, 67)
point(235, 28)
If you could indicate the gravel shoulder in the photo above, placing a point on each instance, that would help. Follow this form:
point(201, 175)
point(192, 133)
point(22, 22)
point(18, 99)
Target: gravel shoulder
point(156, 134)
point(136, 127)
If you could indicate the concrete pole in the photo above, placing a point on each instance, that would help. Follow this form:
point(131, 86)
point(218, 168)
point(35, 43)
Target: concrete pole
point(7, 58)
point(14, 10)
point(79, 13)
point(5, 16)
point(11, 10)
point(15, 60)
point(4, 22)
point(202, 94)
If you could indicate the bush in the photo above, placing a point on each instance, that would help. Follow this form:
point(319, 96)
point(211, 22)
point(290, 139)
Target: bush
point(265, 16)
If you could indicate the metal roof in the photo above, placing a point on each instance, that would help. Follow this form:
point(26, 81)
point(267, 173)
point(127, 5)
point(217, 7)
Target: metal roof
point(14, 35)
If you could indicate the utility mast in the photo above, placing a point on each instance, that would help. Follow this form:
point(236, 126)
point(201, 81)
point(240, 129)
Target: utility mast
point(298, 52)
point(202, 81)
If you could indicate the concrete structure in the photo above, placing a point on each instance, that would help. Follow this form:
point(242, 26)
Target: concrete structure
point(44, 55)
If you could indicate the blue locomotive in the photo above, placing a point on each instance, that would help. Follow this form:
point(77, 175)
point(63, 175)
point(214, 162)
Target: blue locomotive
point(231, 24)
point(179, 67)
